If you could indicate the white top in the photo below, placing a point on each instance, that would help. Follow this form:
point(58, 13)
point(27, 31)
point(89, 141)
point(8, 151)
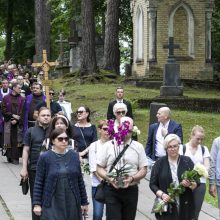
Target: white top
point(134, 156)
point(161, 131)
point(93, 150)
point(197, 157)
point(66, 108)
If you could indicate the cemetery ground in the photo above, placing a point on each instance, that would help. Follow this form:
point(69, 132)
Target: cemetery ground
point(97, 97)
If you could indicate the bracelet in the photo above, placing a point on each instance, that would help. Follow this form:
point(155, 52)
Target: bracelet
point(132, 179)
point(162, 195)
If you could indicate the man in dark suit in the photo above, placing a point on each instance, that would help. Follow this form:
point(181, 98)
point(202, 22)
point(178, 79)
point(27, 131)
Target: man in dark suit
point(119, 99)
point(158, 131)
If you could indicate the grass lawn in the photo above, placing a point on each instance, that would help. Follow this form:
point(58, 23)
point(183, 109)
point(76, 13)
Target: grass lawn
point(97, 97)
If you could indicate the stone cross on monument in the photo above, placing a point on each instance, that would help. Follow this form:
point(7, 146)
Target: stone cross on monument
point(171, 46)
point(171, 74)
point(45, 65)
point(61, 41)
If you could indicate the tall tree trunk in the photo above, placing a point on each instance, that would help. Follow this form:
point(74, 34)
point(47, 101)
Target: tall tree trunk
point(9, 27)
point(111, 47)
point(42, 28)
point(88, 53)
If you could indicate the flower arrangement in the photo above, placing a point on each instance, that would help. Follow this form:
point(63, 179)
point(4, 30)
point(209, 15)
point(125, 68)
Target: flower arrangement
point(175, 190)
point(121, 169)
point(136, 131)
point(123, 130)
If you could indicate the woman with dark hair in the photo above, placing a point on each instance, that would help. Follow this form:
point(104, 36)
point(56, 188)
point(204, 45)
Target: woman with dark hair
point(60, 121)
point(84, 133)
point(59, 190)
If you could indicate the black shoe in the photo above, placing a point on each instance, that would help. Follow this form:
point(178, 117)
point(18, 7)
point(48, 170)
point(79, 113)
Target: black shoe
point(15, 162)
point(9, 160)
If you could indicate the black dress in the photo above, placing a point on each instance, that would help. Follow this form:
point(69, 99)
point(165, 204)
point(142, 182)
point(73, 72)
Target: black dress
point(63, 205)
point(161, 178)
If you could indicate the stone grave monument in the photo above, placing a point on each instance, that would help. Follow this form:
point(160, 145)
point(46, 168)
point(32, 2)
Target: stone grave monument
point(171, 74)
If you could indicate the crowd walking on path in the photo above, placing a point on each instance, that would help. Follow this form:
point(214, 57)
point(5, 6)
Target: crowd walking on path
point(57, 151)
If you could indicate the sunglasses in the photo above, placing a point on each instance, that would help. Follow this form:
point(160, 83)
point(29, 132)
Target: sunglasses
point(120, 113)
point(172, 146)
point(51, 93)
point(61, 139)
point(79, 112)
point(105, 129)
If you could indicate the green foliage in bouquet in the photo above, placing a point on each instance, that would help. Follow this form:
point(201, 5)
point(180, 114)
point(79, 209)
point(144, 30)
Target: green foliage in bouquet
point(123, 171)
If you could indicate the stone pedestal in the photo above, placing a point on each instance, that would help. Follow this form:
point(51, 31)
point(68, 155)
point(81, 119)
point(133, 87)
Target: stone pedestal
point(171, 81)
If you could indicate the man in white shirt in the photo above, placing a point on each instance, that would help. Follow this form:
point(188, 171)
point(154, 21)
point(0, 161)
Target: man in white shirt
point(158, 131)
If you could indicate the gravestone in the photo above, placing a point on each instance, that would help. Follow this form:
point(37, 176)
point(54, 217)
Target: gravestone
point(171, 74)
point(154, 107)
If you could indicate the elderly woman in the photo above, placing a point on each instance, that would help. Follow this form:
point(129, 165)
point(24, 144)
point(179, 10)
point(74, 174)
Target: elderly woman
point(59, 189)
point(119, 110)
point(199, 154)
point(168, 169)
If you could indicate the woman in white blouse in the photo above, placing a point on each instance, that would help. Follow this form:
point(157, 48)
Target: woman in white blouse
point(198, 154)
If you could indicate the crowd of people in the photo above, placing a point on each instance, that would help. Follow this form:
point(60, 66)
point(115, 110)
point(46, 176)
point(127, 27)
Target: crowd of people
point(53, 149)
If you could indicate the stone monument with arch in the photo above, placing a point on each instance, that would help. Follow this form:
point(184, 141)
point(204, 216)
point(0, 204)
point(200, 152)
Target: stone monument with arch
point(187, 21)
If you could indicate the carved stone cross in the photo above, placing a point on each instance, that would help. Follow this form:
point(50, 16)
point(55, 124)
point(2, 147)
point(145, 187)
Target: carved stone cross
point(61, 41)
point(45, 65)
point(171, 46)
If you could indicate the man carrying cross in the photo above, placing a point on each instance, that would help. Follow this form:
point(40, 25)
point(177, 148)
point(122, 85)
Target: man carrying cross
point(50, 103)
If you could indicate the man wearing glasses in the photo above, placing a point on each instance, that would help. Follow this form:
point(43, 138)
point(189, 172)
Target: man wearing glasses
point(55, 108)
point(119, 99)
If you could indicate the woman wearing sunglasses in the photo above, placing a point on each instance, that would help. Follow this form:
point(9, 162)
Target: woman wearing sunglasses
point(84, 133)
point(119, 110)
point(59, 190)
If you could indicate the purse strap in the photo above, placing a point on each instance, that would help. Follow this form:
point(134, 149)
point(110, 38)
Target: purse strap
point(82, 136)
point(119, 157)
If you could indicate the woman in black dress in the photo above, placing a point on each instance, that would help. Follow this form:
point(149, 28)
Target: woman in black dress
point(84, 133)
point(59, 190)
point(168, 169)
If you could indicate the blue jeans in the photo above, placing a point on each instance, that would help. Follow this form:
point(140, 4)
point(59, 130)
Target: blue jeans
point(97, 207)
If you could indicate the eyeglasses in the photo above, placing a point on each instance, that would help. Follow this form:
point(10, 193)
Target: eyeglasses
point(120, 113)
point(79, 112)
point(172, 146)
point(51, 93)
point(105, 129)
point(61, 139)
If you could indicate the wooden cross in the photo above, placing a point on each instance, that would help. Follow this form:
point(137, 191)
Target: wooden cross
point(171, 46)
point(45, 65)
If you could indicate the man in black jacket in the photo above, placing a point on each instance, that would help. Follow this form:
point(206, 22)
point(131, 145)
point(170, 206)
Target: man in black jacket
point(119, 99)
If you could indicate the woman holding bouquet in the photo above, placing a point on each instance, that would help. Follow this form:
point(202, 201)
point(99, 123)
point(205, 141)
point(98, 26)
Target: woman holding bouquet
point(167, 170)
point(199, 154)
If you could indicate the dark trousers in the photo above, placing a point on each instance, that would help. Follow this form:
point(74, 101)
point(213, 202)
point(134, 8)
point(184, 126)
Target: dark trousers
point(198, 195)
point(121, 204)
point(32, 174)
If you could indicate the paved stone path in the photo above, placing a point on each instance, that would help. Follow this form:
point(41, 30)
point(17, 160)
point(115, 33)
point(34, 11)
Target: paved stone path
point(16, 206)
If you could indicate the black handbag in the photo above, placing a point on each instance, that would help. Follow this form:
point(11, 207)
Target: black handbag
point(25, 186)
point(100, 192)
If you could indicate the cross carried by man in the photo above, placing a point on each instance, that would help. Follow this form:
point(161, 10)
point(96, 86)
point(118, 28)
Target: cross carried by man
point(45, 65)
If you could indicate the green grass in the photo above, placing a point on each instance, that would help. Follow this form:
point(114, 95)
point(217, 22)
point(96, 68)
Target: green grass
point(97, 97)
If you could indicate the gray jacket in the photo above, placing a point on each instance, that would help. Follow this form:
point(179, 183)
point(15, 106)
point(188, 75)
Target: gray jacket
point(214, 171)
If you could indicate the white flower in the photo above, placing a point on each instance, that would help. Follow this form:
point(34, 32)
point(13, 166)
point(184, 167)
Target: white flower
point(200, 168)
point(136, 130)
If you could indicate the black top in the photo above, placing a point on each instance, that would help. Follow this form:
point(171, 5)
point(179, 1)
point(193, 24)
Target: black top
point(54, 107)
point(161, 178)
point(89, 133)
point(34, 138)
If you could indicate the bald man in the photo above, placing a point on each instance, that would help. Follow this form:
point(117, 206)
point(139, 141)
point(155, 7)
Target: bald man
point(158, 131)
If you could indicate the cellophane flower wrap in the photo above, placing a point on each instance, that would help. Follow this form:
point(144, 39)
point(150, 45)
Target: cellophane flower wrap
point(174, 190)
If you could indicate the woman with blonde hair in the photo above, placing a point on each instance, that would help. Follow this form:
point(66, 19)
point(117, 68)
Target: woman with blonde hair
point(199, 154)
